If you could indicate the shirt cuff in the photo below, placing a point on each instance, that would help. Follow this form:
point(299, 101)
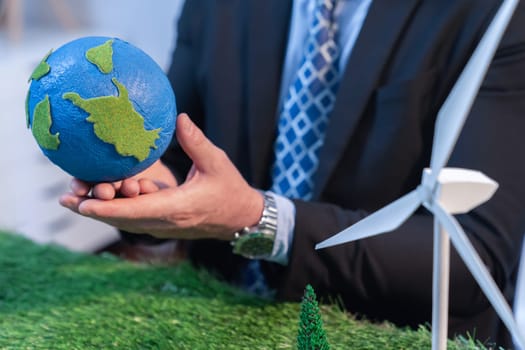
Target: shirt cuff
point(285, 228)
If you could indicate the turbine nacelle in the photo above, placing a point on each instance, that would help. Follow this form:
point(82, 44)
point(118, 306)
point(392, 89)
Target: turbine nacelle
point(457, 190)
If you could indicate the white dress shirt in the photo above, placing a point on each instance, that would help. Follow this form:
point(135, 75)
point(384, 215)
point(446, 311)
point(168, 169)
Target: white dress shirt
point(349, 16)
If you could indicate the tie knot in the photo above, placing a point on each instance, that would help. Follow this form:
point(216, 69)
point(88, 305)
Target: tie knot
point(330, 4)
point(323, 17)
point(326, 7)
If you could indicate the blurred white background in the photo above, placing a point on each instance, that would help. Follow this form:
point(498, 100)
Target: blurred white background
point(28, 30)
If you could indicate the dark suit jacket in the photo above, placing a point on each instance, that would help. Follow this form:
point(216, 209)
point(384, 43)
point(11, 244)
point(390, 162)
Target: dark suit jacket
point(226, 72)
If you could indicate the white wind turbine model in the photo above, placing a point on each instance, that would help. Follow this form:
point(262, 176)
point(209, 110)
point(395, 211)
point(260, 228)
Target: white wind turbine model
point(446, 191)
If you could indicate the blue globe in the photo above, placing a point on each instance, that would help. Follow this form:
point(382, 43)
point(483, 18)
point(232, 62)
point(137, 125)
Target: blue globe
point(101, 109)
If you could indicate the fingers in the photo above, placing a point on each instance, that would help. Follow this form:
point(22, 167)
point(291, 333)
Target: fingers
point(192, 140)
point(146, 205)
point(140, 207)
point(105, 191)
point(74, 203)
point(80, 188)
point(148, 186)
point(130, 188)
point(71, 201)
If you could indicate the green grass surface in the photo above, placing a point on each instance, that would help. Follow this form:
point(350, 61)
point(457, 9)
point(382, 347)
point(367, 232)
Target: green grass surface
point(51, 298)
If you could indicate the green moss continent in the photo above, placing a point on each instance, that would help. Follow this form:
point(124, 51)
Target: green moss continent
point(42, 124)
point(117, 122)
point(102, 56)
point(42, 69)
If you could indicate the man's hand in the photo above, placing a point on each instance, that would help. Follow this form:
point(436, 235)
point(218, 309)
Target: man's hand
point(214, 201)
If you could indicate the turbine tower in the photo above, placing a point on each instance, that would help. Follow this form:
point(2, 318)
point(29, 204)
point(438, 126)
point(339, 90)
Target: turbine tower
point(447, 191)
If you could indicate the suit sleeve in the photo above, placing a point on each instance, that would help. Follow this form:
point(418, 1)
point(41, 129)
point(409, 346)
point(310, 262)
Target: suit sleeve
point(386, 274)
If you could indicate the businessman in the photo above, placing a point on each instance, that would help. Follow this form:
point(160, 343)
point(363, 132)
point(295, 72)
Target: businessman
point(302, 117)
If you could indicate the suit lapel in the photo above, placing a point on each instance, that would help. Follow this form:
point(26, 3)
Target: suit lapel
point(266, 21)
point(384, 23)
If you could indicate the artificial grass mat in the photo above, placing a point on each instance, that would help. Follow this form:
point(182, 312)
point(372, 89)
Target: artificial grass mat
point(51, 298)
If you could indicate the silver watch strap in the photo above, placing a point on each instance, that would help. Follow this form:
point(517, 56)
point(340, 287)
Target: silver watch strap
point(257, 241)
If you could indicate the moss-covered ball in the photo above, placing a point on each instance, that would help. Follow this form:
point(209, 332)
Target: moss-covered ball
point(100, 108)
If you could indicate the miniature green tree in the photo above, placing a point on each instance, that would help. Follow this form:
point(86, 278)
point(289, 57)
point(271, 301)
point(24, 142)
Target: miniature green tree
point(311, 335)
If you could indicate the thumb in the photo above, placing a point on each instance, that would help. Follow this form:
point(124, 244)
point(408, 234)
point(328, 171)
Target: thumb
point(196, 145)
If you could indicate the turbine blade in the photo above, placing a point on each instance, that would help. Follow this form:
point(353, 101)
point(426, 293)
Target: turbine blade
point(479, 271)
point(456, 107)
point(384, 220)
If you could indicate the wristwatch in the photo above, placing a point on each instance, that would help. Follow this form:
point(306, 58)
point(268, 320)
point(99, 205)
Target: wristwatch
point(256, 242)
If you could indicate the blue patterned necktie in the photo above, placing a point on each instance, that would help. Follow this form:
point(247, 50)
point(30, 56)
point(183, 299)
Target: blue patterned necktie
point(303, 121)
point(306, 108)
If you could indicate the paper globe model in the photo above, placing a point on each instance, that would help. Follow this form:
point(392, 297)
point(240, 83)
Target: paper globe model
point(101, 109)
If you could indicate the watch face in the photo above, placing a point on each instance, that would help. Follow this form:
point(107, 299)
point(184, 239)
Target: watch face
point(254, 245)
